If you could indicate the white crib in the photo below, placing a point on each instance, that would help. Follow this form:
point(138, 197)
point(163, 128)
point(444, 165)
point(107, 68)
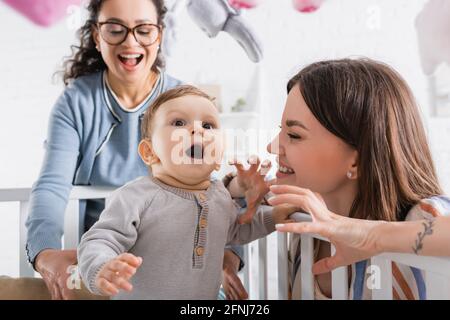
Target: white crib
point(261, 262)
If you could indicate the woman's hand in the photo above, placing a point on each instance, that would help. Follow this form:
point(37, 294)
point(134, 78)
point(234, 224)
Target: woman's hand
point(53, 266)
point(232, 285)
point(116, 273)
point(354, 239)
point(281, 213)
point(251, 182)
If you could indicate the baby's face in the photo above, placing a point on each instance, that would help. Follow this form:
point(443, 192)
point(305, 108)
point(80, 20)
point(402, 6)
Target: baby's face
point(187, 139)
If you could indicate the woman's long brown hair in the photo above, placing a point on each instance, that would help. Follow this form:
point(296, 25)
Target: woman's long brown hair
point(369, 106)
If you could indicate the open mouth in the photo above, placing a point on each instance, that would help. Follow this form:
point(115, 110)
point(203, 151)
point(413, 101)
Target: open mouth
point(195, 151)
point(284, 171)
point(131, 60)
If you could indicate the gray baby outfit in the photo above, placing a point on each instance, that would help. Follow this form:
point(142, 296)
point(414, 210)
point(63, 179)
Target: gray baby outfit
point(180, 235)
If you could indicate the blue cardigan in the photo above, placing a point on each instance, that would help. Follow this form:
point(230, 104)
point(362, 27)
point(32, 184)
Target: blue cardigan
point(81, 123)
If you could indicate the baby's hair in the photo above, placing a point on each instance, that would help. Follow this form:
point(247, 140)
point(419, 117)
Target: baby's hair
point(180, 91)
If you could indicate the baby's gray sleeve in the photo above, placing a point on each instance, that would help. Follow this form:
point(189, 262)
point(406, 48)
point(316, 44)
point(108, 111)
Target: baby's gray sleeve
point(261, 225)
point(113, 234)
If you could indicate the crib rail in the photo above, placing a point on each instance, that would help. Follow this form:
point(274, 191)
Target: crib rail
point(265, 274)
point(71, 221)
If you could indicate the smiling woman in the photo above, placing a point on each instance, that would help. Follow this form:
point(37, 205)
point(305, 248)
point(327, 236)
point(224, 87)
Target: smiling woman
point(96, 53)
point(113, 76)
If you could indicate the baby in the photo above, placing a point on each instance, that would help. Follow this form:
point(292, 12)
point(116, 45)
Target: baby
point(162, 236)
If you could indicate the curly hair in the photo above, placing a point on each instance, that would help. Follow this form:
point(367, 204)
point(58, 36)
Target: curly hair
point(85, 59)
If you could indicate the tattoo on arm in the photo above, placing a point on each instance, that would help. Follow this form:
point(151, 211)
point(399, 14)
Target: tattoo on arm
point(428, 230)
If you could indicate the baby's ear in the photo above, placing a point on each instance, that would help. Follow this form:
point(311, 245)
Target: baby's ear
point(145, 150)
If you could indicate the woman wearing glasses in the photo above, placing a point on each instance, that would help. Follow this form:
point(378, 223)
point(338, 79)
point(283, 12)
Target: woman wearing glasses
point(112, 77)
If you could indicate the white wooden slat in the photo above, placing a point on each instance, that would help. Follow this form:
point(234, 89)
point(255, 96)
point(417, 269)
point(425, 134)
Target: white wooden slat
point(262, 268)
point(71, 225)
point(381, 278)
point(246, 268)
point(339, 281)
point(307, 259)
point(25, 269)
point(77, 193)
point(437, 269)
point(440, 265)
point(282, 254)
point(437, 285)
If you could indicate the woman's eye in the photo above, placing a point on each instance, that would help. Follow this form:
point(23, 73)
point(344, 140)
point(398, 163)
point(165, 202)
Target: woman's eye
point(208, 126)
point(293, 136)
point(178, 123)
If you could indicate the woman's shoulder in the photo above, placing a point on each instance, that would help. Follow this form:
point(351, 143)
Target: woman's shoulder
point(81, 95)
point(169, 82)
point(86, 83)
point(435, 206)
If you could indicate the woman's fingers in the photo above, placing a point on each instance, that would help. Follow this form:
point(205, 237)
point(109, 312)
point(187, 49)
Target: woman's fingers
point(325, 265)
point(56, 293)
point(307, 202)
point(238, 164)
point(282, 188)
point(296, 200)
point(238, 288)
point(302, 227)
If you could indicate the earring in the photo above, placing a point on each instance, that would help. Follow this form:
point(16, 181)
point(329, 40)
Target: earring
point(349, 175)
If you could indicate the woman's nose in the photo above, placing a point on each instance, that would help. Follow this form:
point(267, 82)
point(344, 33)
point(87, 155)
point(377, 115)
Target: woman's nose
point(274, 146)
point(130, 40)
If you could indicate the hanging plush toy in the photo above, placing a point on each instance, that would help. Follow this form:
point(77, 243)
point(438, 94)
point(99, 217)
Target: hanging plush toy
point(304, 6)
point(307, 6)
point(212, 16)
point(42, 12)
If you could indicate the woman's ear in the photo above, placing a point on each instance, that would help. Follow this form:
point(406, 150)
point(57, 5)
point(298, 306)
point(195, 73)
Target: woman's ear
point(160, 41)
point(145, 150)
point(95, 36)
point(352, 172)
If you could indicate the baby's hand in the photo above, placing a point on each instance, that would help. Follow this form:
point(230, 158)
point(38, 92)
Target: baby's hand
point(253, 185)
point(116, 273)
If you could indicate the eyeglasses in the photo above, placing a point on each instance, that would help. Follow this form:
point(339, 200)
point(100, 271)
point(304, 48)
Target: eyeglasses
point(115, 33)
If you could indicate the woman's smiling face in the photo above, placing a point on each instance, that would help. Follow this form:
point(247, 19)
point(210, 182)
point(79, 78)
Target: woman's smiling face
point(128, 61)
point(309, 156)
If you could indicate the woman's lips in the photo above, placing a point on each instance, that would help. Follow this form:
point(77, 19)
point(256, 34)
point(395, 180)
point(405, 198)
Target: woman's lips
point(130, 61)
point(284, 171)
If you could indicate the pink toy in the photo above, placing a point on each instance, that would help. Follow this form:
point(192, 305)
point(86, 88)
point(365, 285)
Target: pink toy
point(42, 12)
point(307, 6)
point(245, 4)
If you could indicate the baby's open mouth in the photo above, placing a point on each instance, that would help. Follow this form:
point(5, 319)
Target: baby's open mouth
point(131, 59)
point(195, 151)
